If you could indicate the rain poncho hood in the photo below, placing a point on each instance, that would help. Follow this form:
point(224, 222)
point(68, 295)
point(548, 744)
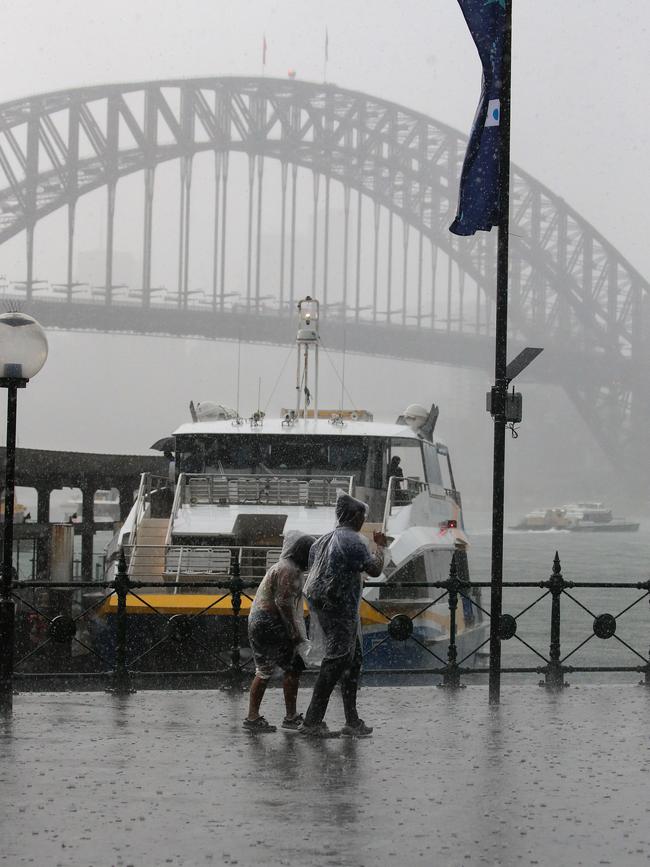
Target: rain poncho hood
point(296, 547)
point(348, 510)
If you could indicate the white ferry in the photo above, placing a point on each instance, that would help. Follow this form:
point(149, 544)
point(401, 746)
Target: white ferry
point(238, 485)
point(581, 517)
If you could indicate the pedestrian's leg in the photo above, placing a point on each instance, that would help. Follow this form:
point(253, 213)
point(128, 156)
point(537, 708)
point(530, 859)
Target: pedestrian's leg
point(350, 685)
point(290, 687)
point(330, 671)
point(258, 688)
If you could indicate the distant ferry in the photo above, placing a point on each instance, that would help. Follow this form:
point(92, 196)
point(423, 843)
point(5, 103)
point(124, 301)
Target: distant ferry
point(587, 517)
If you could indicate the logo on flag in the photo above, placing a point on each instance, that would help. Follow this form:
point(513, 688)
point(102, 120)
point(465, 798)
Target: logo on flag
point(493, 112)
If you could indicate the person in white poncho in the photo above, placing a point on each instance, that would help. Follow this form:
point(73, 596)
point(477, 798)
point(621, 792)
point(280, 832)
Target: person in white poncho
point(333, 591)
point(276, 629)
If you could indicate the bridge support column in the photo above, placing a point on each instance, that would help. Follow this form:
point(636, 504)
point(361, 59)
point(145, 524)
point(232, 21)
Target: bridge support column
point(72, 209)
point(186, 232)
point(149, 182)
point(110, 226)
point(215, 233)
point(405, 268)
point(87, 531)
point(292, 260)
point(283, 225)
point(346, 244)
point(326, 239)
point(314, 243)
point(357, 295)
point(42, 517)
point(249, 245)
point(258, 249)
point(224, 221)
point(29, 239)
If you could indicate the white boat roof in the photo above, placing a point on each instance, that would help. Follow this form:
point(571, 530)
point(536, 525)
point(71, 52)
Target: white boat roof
point(314, 427)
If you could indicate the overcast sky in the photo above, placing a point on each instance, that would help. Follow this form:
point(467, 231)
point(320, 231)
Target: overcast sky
point(580, 86)
point(581, 125)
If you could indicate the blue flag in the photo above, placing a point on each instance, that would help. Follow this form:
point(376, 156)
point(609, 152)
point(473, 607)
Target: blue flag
point(478, 204)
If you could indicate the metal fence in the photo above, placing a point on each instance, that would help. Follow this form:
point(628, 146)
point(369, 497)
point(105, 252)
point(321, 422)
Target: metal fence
point(104, 641)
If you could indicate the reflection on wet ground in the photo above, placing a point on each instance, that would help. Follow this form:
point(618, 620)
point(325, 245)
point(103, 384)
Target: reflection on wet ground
point(171, 778)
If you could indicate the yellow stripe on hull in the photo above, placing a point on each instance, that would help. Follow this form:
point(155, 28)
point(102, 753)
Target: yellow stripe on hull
point(207, 604)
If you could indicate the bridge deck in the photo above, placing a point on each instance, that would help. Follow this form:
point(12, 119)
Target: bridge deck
point(171, 778)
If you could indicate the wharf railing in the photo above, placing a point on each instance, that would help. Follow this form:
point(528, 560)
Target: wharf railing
point(122, 649)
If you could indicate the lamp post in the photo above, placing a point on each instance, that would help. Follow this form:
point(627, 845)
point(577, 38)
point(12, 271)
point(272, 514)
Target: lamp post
point(23, 351)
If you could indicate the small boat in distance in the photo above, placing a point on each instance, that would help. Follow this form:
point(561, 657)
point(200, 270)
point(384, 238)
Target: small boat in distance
point(584, 517)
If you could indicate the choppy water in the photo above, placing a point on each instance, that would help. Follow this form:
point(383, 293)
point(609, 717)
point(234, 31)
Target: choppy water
point(594, 557)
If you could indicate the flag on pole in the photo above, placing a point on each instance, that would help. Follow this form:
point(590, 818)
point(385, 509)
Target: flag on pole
point(264, 50)
point(478, 201)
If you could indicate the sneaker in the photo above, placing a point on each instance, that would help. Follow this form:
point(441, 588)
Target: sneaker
point(258, 725)
point(319, 730)
point(292, 723)
point(358, 730)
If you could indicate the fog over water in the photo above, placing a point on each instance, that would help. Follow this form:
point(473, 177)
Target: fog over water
point(579, 126)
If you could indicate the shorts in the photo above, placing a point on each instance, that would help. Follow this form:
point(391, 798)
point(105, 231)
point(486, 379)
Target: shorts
point(271, 647)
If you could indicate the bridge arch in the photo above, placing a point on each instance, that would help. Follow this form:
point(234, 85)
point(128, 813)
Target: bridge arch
point(570, 288)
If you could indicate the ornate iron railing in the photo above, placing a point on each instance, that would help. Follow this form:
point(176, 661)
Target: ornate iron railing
point(122, 649)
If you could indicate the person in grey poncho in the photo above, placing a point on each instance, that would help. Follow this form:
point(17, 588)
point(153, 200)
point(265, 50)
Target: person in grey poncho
point(333, 591)
point(276, 629)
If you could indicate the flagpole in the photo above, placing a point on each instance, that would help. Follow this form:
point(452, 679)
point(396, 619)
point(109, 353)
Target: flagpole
point(500, 389)
point(326, 55)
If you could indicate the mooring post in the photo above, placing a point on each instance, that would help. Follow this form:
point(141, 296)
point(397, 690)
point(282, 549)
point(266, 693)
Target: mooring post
point(121, 677)
point(554, 675)
point(451, 677)
point(236, 586)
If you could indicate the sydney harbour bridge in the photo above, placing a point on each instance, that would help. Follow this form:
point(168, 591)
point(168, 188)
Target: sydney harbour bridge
point(360, 193)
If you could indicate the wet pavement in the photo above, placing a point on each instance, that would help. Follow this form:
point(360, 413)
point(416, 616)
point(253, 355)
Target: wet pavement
point(171, 778)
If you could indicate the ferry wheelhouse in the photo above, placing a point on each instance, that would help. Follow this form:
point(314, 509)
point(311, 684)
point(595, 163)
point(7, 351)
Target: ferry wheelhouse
point(238, 485)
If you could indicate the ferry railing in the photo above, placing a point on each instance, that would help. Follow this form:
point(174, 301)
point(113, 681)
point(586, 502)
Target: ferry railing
point(173, 646)
point(179, 495)
point(273, 490)
point(403, 490)
point(177, 564)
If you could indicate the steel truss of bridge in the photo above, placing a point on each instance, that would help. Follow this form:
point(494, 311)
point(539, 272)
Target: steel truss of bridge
point(570, 290)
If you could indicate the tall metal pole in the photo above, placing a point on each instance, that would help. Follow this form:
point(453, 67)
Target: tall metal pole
point(499, 392)
point(7, 606)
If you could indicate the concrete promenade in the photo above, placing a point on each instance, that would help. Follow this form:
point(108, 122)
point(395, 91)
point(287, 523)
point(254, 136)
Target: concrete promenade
point(171, 778)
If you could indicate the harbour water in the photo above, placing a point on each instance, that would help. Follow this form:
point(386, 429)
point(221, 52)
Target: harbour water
point(590, 557)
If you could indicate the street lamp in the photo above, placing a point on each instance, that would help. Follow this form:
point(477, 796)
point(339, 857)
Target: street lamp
point(23, 351)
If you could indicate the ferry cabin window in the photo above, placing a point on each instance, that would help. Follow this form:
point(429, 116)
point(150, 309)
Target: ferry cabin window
point(432, 465)
point(257, 454)
point(409, 453)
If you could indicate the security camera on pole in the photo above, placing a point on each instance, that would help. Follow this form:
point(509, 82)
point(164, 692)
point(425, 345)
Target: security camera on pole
point(23, 352)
